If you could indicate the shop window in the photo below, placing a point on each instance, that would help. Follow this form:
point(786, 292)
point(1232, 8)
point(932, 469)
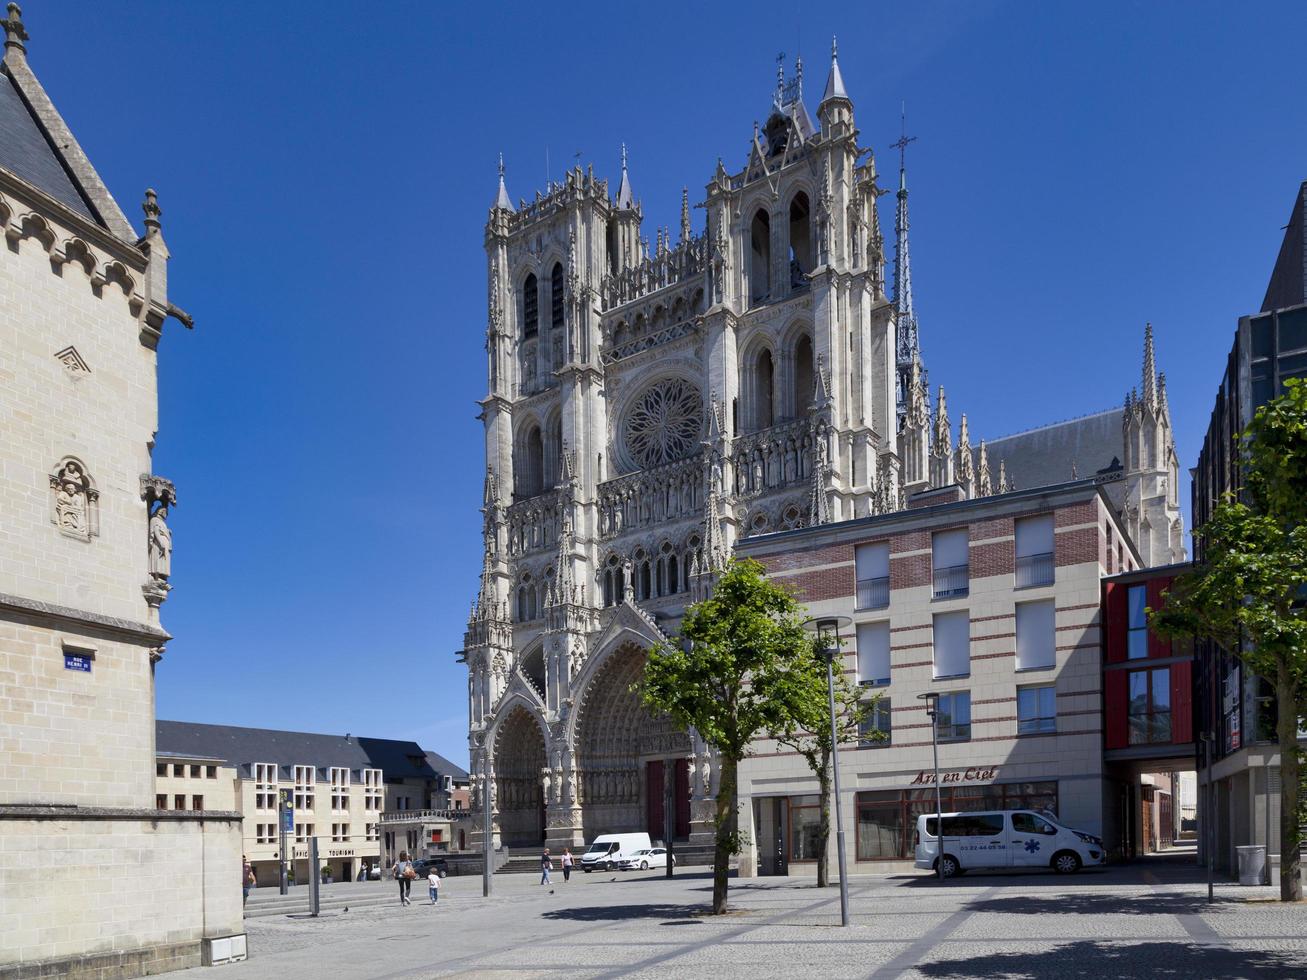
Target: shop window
point(887, 819)
point(876, 729)
point(1036, 634)
point(1036, 709)
point(953, 716)
point(1150, 706)
point(1137, 622)
point(873, 653)
point(805, 828)
point(951, 639)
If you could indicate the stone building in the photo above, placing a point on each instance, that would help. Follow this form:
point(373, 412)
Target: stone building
point(83, 305)
point(647, 408)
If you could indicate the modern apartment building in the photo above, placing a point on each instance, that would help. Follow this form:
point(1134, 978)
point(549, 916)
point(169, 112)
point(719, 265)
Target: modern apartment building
point(993, 604)
point(342, 788)
point(1238, 708)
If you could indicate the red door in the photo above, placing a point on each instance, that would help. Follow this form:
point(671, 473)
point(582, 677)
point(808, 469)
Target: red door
point(654, 799)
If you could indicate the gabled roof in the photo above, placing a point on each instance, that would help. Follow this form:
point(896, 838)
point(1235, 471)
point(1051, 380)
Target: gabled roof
point(1044, 457)
point(242, 747)
point(26, 152)
point(446, 768)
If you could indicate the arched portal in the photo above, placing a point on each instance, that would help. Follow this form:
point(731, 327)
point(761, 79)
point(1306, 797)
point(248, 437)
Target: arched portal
point(519, 758)
point(622, 750)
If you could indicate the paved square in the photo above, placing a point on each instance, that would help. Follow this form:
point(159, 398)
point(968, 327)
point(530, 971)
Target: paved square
point(1148, 920)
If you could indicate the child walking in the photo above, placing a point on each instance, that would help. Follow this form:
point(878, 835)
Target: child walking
point(433, 885)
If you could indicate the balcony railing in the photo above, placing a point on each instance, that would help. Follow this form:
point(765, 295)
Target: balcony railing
point(952, 581)
point(1034, 570)
point(408, 816)
point(873, 593)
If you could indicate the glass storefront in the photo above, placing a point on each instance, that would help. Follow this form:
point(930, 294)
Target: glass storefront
point(887, 819)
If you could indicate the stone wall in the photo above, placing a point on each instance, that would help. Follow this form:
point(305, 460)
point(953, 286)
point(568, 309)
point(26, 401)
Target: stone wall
point(115, 892)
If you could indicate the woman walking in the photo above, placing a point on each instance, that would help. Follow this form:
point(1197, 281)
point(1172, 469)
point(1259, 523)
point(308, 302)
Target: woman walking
point(567, 864)
point(404, 874)
point(546, 865)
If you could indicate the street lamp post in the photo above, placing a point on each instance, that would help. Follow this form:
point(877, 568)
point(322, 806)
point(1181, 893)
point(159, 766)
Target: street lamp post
point(932, 711)
point(828, 633)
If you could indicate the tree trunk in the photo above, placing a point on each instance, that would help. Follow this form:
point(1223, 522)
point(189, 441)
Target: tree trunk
point(727, 825)
point(1286, 730)
point(823, 782)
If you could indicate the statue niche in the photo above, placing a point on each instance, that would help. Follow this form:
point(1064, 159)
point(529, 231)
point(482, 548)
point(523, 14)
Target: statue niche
point(74, 501)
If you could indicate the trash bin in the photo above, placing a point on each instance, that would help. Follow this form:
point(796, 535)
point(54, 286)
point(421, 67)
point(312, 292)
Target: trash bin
point(1252, 863)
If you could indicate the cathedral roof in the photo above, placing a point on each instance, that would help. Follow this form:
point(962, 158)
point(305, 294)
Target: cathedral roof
point(1288, 285)
point(26, 151)
point(1045, 456)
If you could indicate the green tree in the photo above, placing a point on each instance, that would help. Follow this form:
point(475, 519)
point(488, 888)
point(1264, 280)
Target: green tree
point(1248, 595)
point(728, 676)
point(808, 731)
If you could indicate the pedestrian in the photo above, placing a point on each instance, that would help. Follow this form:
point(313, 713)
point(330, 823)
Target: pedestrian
point(546, 865)
point(404, 874)
point(433, 885)
point(363, 871)
point(247, 879)
point(566, 862)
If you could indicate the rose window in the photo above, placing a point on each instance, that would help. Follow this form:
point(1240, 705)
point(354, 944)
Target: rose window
point(664, 424)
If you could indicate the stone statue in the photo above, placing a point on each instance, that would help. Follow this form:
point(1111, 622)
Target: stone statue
point(160, 544)
point(705, 775)
point(70, 501)
point(547, 781)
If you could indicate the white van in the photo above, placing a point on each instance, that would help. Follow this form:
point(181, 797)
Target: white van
point(608, 851)
point(1005, 839)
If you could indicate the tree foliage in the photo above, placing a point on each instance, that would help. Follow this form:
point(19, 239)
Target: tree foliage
point(807, 730)
point(1250, 593)
point(731, 676)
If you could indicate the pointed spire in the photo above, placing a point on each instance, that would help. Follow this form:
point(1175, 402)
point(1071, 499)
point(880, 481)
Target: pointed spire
point(905, 315)
point(918, 405)
point(152, 212)
point(563, 575)
point(1002, 476)
point(1163, 408)
point(984, 485)
point(490, 490)
point(965, 466)
point(818, 503)
point(685, 214)
point(1150, 369)
point(502, 200)
point(15, 34)
point(485, 605)
point(835, 81)
point(943, 433)
point(625, 196)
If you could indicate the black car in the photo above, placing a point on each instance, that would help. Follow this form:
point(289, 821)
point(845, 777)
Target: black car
point(425, 866)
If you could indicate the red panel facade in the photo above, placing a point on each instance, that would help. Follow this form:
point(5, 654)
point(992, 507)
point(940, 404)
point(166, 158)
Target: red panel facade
point(654, 798)
point(1114, 638)
point(1182, 702)
point(1157, 646)
point(1117, 709)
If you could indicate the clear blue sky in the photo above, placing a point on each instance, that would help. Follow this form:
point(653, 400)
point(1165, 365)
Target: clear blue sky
point(325, 171)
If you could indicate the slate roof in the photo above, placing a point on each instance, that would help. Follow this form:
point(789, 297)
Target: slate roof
point(1043, 457)
point(242, 747)
point(446, 768)
point(27, 153)
point(1288, 285)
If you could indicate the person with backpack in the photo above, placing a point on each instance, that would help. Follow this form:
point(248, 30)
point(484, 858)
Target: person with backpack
point(404, 874)
point(546, 865)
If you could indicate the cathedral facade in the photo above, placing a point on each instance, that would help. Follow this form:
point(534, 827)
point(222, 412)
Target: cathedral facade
point(647, 407)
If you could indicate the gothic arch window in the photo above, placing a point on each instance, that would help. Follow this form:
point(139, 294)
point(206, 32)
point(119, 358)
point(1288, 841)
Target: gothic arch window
point(792, 518)
point(801, 262)
point(696, 302)
point(759, 524)
point(74, 500)
point(553, 453)
point(658, 320)
point(526, 599)
point(669, 570)
point(693, 554)
point(763, 390)
point(760, 256)
point(614, 581)
point(556, 306)
point(530, 307)
point(664, 424)
point(643, 576)
point(803, 376)
point(528, 467)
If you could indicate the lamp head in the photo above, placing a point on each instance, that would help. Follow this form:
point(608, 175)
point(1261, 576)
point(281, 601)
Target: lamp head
point(827, 629)
point(932, 703)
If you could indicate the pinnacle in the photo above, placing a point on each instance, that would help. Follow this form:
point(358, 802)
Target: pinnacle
point(502, 200)
point(835, 81)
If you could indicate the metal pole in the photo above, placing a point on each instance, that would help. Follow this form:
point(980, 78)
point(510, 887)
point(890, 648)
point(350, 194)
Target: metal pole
point(939, 805)
point(488, 870)
point(839, 807)
point(281, 829)
point(669, 806)
point(315, 878)
point(1211, 814)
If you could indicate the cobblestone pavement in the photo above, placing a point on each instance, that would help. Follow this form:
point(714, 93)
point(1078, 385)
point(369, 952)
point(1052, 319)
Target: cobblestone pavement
point(1147, 920)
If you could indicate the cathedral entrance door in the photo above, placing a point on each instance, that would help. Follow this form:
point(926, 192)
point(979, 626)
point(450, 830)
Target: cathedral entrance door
point(519, 797)
point(655, 796)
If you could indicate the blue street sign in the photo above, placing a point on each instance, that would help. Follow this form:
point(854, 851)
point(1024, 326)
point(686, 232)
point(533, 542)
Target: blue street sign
point(288, 821)
point(75, 661)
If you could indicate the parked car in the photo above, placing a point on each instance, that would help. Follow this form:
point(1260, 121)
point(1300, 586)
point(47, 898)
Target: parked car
point(1005, 839)
point(646, 858)
point(374, 872)
point(608, 851)
point(424, 866)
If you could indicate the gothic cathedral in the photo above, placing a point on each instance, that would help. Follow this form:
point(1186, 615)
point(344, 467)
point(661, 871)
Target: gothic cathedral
point(648, 407)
